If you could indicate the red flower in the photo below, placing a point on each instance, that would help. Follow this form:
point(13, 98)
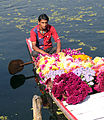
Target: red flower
point(70, 87)
point(99, 85)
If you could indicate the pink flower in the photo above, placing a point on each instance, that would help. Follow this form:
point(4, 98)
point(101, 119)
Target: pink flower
point(46, 61)
point(47, 81)
point(42, 66)
point(41, 75)
point(50, 67)
point(41, 82)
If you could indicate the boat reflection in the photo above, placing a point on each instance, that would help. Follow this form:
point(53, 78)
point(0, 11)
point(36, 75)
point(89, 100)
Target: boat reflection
point(47, 102)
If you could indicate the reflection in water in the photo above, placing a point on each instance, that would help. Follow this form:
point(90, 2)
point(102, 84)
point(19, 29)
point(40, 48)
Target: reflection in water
point(18, 80)
point(47, 102)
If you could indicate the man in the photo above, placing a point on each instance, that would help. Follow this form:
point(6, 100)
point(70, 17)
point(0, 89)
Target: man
point(40, 37)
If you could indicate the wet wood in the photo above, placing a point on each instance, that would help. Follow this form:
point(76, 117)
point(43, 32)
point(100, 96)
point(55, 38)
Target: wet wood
point(37, 104)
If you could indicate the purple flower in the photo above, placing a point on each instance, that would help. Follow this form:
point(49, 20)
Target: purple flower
point(86, 74)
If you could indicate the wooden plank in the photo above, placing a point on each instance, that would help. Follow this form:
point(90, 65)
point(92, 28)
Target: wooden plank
point(65, 111)
point(37, 104)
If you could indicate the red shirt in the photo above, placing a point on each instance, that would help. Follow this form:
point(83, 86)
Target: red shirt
point(43, 41)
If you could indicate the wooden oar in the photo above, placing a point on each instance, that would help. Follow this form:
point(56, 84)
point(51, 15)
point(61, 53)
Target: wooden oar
point(78, 49)
point(17, 65)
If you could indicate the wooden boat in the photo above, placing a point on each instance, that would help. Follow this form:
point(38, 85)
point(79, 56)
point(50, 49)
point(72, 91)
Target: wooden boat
point(92, 108)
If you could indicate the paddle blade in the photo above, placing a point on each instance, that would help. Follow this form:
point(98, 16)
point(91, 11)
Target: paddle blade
point(15, 66)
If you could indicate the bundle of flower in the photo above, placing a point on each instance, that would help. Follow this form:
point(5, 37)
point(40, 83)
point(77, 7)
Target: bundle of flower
point(99, 85)
point(51, 66)
point(86, 74)
point(98, 65)
point(71, 52)
point(70, 88)
point(52, 74)
point(82, 57)
point(62, 60)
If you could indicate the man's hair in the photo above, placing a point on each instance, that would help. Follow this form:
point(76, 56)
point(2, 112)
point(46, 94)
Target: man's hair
point(44, 17)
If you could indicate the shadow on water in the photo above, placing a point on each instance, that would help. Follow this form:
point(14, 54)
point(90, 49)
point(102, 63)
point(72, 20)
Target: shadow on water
point(18, 80)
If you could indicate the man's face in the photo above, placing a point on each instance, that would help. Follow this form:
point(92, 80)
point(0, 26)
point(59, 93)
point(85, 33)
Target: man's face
point(43, 24)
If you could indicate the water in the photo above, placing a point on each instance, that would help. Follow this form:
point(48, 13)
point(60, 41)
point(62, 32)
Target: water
point(79, 23)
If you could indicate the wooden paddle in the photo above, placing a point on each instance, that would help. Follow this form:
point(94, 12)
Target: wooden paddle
point(17, 65)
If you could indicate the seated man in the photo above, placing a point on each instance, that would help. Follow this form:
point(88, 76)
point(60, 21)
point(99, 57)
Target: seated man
point(40, 36)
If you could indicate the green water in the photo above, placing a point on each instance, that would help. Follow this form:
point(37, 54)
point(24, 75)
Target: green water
point(79, 23)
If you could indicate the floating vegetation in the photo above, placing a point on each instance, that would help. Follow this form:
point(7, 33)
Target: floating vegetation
point(58, 15)
point(66, 31)
point(63, 23)
point(9, 14)
point(100, 31)
point(3, 117)
point(93, 48)
point(55, 13)
point(75, 19)
point(91, 24)
point(58, 112)
point(83, 44)
point(62, 37)
point(1, 57)
point(93, 14)
point(62, 8)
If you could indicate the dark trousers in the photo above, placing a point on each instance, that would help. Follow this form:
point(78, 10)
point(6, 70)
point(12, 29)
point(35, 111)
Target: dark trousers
point(50, 50)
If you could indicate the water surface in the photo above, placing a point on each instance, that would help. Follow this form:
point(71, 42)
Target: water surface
point(79, 23)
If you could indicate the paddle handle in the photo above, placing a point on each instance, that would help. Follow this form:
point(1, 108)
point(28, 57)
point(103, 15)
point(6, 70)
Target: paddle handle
point(78, 49)
point(27, 63)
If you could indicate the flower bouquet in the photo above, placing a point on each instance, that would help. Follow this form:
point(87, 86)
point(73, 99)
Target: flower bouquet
point(86, 74)
point(70, 75)
point(70, 87)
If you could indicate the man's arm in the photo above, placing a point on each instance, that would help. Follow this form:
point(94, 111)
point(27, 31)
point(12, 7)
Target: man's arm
point(56, 38)
point(37, 49)
point(58, 47)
